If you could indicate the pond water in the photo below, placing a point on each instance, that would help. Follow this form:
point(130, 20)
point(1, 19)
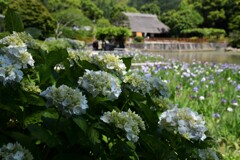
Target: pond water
point(217, 56)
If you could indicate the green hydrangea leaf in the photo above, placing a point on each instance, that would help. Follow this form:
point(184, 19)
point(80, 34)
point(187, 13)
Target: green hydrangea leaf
point(128, 62)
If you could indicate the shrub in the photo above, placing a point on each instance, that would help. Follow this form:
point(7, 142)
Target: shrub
point(138, 39)
point(234, 39)
point(60, 107)
point(205, 32)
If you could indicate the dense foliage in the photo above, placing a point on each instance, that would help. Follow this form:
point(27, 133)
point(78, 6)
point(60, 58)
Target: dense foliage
point(67, 104)
point(116, 34)
point(34, 14)
point(204, 32)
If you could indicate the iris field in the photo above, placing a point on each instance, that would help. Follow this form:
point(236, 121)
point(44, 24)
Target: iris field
point(211, 89)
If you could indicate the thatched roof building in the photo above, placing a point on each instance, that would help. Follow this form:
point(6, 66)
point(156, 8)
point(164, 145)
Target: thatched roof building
point(145, 24)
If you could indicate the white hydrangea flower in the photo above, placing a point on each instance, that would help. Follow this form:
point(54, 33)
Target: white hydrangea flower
point(137, 83)
point(69, 101)
point(184, 121)
point(110, 62)
point(14, 151)
point(207, 154)
point(13, 39)
point(101, 83)
point(128, 121)
point(76, 55)
point(16, 50)
point(14, 59)
point(19, 55)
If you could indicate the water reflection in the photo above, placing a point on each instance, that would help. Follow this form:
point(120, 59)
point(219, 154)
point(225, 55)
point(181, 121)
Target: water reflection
point(219, 56)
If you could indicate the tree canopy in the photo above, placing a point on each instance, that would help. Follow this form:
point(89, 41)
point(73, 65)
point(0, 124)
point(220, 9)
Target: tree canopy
point(178, 14)
point(34, 14)
point(186, 17)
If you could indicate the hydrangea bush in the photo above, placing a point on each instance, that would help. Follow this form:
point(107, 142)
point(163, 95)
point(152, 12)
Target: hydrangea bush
point(60, 106)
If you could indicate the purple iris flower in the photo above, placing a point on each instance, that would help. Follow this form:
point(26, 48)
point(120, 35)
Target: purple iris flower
point(212, 82)
point(238, 87)
point(224, 101)
point(195, 89)
point(234, 102)
point(216, 115)
point(234, 83)
point(158, 66)
point(145, 68)
point(148, 75)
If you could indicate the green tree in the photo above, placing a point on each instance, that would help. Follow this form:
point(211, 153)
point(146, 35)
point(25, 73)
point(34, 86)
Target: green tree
point(91, 10)
point(232, 13)
point(186, 17)
point(152, 8)
point(3, 5)
point(56, 5)
point(213, 12)
point(117, 17)
point(71, 23)
point(34, 14)
point(117, 34)
point(103, 22)
point(166, 5)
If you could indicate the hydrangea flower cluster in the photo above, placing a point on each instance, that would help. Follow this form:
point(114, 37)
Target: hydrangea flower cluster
point(128, 121)
point(9, 71)
point(184, 121)
point(14, 59)
point(158, 87)
point(30, 86)
point(207, 154)
point(110, 62)
point(137, 83)
point(69, 101)
point(16, 50)
point(14, 151)
point(76, 55)
point(101, 83)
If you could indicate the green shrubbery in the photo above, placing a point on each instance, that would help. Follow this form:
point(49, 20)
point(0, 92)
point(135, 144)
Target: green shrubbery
point(34, 14)
point(138, 39)
point(59, 105)
point(204, 32)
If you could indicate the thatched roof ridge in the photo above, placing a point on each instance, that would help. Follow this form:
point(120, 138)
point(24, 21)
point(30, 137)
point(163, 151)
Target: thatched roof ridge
point(147, 23)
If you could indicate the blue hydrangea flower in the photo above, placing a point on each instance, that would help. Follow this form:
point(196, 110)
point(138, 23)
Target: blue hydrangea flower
point(14, 151)
point(184, 121)
point(101, 83)
point(158, 87)
point(110, 62)
point(137, 83)
point(69, 101)
point(128, 121)
point(9, 72)
point(207, 154)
